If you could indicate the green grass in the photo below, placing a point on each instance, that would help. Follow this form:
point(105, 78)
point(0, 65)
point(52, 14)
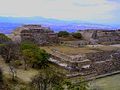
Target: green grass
point(107, 83)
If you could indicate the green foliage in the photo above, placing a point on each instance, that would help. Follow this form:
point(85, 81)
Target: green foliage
point(63, 34)
point(9, 51)
point(69, 85)
point(42, 58)
point(47, 79)
point(17, 63)
point(34, 55)
point(77, 35)
point(3, 38)
point(50, 80)
point(2, 46)
point(28, 45)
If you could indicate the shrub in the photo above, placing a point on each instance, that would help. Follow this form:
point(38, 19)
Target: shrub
point(63, 34)
point(77, 35)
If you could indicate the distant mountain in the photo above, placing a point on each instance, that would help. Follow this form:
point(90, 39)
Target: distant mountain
point(8, 27)
point(7, 24)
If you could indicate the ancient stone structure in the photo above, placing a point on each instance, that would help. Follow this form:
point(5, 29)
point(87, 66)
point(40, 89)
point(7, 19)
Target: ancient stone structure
point(79, 43)
point(91, 63)
point(101, 36)
point(38, 34)
point(72, 62)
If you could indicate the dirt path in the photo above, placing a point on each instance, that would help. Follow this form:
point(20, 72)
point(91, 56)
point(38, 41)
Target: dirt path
point(22, 74)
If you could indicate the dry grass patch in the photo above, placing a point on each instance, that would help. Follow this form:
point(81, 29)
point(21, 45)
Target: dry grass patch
point(68, 50)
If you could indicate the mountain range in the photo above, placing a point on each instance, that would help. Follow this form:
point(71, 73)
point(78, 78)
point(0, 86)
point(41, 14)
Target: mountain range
point(8, 24)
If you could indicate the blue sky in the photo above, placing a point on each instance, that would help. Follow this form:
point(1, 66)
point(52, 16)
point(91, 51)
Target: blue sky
point(98, 11)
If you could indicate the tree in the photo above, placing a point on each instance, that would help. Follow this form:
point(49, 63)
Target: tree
point(46, 80)
point(34, 56)
point(41, 57)
point(9, 51)
point(4, 38)
point(70, 85)
point(6, 47)
point(50, 80)
point(28, 56)
point(63, 34)
point(77, 35)
point(13, 72)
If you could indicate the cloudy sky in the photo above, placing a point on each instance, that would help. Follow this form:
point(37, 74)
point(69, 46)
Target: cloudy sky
point(101, 11)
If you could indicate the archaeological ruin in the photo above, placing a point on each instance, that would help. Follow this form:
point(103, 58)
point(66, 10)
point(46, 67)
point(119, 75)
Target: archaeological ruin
point(101, 36)
point(37, 34)
point(92, 62)
point(88, 64)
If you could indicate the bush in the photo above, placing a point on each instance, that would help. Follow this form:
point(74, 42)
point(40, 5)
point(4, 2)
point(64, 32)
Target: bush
point(63, 34)
point(4, 38)
point(17, 63)
point(77, 35)
point(34, 56)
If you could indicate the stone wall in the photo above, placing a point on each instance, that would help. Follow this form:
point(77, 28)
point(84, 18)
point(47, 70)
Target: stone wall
point(105, 62)
point(92, 63)
point(100, 56)
point(101, 36)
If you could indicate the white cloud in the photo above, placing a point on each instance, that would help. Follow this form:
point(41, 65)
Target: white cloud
point(65, 9)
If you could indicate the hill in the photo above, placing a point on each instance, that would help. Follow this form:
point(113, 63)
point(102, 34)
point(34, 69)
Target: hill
point(7, 24)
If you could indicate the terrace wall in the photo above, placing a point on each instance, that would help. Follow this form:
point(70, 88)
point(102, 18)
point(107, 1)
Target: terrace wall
point(93, 63)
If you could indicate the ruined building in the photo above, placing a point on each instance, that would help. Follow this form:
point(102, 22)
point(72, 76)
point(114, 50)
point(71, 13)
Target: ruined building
point(101, 36)
point(38, 34)
point(89, 64)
